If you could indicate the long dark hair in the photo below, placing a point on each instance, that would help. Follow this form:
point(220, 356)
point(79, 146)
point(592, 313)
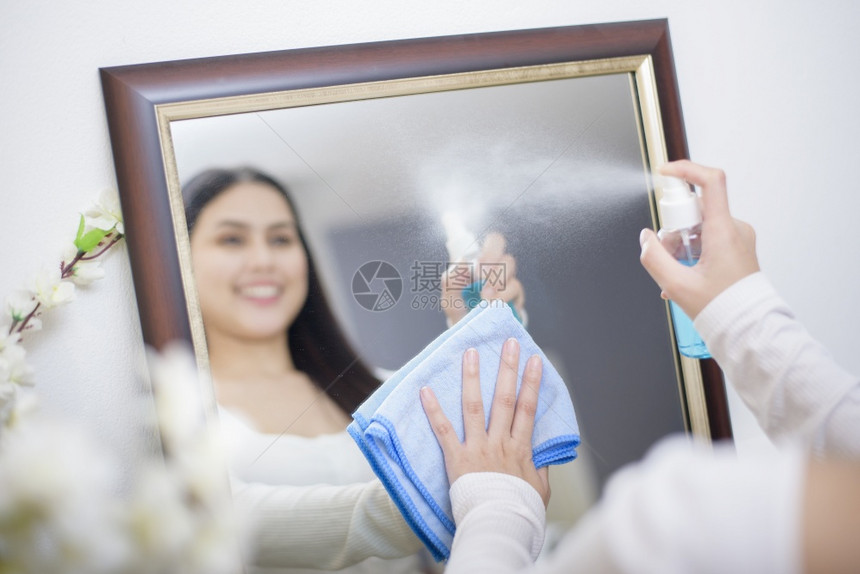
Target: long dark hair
point(316, 342)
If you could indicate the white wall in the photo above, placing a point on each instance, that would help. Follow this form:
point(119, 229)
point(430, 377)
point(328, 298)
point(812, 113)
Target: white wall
point(767, 89)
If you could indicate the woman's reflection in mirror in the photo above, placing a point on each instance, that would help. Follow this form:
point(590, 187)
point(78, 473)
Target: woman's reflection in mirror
point(286, 381)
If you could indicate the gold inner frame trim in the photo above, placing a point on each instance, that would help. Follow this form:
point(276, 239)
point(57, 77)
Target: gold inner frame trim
point(644, 92)
point(643, 84)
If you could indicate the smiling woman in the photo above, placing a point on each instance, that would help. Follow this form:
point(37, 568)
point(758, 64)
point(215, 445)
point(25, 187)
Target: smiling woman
point(253, 277)
point(258, 287)
point(250, 264)
point(285, 379)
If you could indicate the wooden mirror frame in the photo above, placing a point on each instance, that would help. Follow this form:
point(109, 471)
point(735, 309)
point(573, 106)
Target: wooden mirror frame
point(133, 95)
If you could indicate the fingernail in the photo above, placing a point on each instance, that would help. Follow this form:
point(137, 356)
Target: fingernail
point(534, 363)
point(471, 359)
point(512, 347)
point(424, 392)
point(643, 236)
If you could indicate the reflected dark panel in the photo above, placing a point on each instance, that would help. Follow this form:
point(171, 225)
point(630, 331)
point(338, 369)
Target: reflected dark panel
point(388, 338)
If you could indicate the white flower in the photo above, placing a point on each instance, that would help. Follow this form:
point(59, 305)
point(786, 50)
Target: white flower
point(14, 372)
point(176, 386)
point(13, 364)
point(106, 213)
point(85, 272)
point(196, 461)
point(51, 290)
point(20, 304)
point(217, 541)
point(69, 252)
point(57, 500)
point(23, 407)
point(173, 531)
point(8, 398)
point(157, 518)
point(7, 338)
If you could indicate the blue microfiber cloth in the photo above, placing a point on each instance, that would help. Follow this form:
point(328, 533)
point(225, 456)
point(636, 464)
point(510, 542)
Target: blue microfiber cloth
point(392, 430)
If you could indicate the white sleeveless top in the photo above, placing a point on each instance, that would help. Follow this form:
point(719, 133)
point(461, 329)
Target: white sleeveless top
point(286, 459)
point(290, 459)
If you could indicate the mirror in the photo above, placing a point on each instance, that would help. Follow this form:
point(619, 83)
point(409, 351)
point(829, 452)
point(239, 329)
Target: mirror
point(546, 136)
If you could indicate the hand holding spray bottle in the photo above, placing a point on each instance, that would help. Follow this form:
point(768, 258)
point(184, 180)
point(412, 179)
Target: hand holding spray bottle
point(681, 235)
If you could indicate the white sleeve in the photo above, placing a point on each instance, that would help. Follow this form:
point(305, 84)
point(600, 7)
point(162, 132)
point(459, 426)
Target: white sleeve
point(324, 527)
point(500, 524)
point(787, 378)
point(680, 510)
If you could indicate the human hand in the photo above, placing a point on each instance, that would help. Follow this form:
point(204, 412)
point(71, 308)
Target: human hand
point(496, 267)
point(505, 445)
point(728, 245)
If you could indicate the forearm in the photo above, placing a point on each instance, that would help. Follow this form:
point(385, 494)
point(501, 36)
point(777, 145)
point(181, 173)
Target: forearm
point(687, 508)
point(323, 527)
point(786, 377)
point(500, 530)
point(680, 510)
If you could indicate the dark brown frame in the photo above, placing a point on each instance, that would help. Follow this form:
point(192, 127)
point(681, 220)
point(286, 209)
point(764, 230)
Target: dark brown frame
point(132, 93)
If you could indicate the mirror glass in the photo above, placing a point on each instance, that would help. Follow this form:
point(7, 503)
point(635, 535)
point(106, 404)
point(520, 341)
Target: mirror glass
point(558, 167)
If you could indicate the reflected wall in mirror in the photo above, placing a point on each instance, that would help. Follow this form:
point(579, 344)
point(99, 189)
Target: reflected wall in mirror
point(547, 137)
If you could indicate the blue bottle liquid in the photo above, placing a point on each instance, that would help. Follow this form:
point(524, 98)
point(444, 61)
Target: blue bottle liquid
point(690, 344)
point(681, 236)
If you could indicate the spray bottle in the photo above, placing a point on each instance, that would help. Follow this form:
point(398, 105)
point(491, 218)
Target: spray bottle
point(681, 235)
point(464, 247)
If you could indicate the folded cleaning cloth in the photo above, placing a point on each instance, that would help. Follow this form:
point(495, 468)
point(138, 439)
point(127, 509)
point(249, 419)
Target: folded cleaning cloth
point(392, 430)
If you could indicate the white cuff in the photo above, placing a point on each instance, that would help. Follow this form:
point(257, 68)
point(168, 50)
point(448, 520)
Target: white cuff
point(498, 499)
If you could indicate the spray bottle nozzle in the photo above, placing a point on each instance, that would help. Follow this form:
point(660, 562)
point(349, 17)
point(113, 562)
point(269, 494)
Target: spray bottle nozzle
point(679, 206)
point(462, 245)
point(674, 188)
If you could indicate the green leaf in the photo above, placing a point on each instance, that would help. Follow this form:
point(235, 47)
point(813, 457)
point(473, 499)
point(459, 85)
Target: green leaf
point(90, 240)
point(80, 230)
